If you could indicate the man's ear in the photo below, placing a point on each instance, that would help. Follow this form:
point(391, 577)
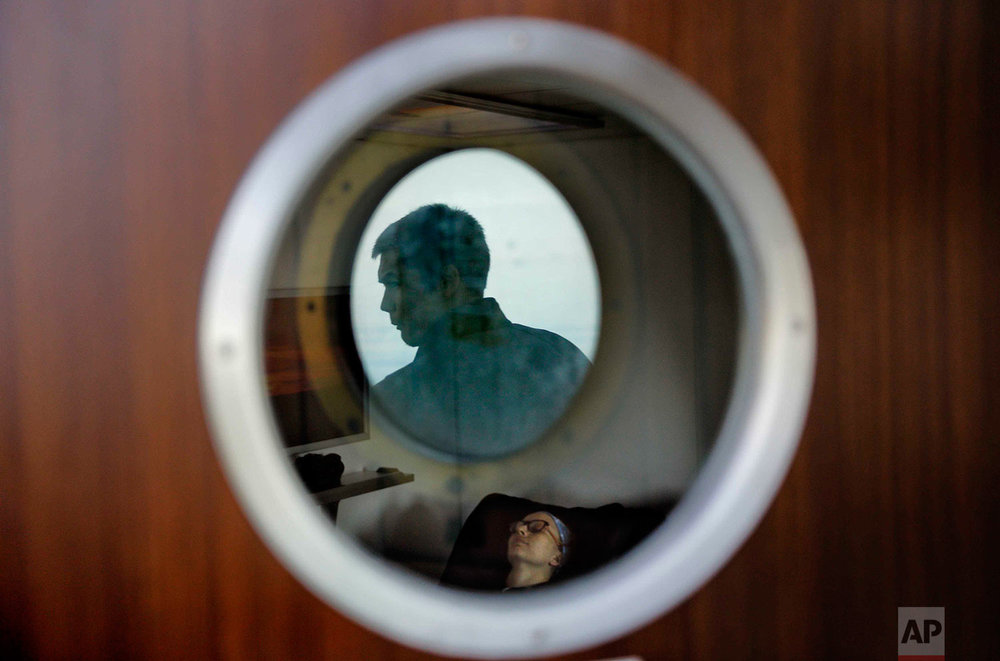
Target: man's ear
point(556, 560)
point(451, 281)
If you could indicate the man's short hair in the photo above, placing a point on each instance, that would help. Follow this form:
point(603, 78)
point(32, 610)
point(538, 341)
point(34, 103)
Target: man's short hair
point(435, 236)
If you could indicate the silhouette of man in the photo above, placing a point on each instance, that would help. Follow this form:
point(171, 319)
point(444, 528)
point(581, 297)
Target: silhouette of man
point(479, 386)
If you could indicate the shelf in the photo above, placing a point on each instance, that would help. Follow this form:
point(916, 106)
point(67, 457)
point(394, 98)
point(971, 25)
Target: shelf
point(361, 482)
point(326, 444)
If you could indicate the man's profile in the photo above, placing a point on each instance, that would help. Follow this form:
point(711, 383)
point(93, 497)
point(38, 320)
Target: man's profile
point(479, 385)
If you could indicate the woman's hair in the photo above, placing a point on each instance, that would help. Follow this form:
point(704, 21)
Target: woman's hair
point(564, 536)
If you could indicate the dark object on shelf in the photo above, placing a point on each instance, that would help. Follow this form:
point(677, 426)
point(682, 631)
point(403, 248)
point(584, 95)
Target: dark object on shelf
point(320, 471)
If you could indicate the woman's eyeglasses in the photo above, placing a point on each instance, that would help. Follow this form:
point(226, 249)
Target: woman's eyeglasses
point(535, 526)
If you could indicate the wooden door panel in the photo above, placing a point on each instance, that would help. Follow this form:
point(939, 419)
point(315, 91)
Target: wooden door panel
point(124, 127)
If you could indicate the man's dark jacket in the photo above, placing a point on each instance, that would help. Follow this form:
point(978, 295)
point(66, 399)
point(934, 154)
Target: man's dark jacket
point(481, 386)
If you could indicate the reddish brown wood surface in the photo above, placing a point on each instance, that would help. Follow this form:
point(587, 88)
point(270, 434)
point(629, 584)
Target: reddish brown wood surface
point(124, 127)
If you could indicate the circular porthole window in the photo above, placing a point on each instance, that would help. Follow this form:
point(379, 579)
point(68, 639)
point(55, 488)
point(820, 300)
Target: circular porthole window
point(507, 339)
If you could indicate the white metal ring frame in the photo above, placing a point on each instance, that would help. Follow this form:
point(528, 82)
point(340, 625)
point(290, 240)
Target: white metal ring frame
point(761, 427)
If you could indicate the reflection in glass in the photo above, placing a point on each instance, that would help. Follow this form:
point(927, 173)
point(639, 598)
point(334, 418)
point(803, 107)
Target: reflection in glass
point(479, 386)
point(483, 558)
point(537, 547)
point(541, 266)
point(439, 269)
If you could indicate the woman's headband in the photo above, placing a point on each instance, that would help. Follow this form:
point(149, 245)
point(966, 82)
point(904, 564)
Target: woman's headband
point(563, 532)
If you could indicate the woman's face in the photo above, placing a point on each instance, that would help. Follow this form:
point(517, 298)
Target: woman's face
point(537, 548)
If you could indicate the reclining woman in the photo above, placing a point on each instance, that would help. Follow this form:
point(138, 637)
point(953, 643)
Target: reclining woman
point(537, 547)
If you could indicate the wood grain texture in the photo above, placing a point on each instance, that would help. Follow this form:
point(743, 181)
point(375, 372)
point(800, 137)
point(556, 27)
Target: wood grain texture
point(124, 127)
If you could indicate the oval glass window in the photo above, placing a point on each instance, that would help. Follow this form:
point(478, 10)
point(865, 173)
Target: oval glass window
point(521, 329)
point(475, 305)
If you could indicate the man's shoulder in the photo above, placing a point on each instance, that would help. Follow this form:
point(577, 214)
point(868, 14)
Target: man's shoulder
point(395, 381)
point(553, 342)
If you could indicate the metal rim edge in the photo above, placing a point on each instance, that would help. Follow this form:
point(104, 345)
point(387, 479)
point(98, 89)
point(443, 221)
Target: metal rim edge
point(755, 446)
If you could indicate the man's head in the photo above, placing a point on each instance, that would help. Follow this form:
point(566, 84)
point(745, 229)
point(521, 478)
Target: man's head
point(432, 260)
